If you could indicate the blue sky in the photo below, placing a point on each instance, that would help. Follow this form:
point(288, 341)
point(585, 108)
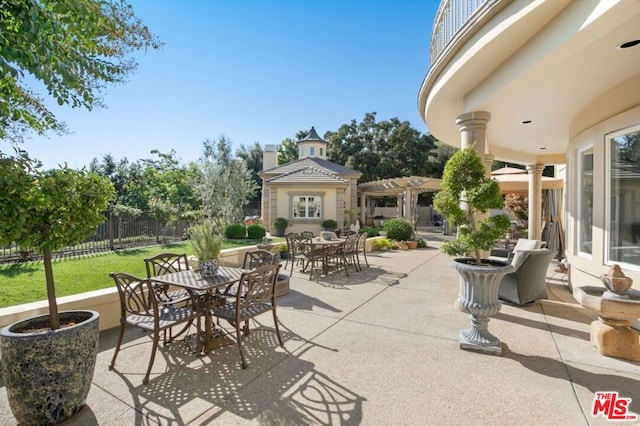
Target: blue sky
point(254, 71)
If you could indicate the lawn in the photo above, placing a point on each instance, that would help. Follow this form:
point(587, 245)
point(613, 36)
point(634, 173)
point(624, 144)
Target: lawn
point(25, 282)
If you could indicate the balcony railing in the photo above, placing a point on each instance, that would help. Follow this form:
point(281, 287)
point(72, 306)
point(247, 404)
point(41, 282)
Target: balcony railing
point(451, 16)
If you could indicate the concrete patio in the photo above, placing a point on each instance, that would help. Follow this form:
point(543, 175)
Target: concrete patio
point(377, 348)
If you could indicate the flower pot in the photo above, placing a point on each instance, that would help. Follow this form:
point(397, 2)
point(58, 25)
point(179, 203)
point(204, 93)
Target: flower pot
point(412, 245)
point(208, 268)
point(48, 373)
point(478, 296)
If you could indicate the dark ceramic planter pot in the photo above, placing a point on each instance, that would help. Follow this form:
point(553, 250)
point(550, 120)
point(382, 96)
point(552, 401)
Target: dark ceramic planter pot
point(48, 374)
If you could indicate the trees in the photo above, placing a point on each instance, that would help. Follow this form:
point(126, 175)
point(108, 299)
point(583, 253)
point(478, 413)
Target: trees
point(225, 184)
point(74, 48)
point(384, 149)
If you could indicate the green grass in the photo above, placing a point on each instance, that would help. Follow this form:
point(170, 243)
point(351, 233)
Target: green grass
point(25, 282)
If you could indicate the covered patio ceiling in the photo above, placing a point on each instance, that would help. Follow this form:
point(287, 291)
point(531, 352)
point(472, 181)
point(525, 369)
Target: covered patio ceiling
point(396, 186)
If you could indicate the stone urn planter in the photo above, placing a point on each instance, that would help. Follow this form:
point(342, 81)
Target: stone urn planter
point(48, 373)
point(478, 296)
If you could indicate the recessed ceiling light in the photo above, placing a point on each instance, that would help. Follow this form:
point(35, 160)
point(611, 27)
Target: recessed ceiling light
point(526, 122)
point(542, 148)
point(629, 44)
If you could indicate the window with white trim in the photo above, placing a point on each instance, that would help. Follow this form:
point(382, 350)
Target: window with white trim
point(312, 151)
point(585, 200)
point(306, 206)
point(623, 196)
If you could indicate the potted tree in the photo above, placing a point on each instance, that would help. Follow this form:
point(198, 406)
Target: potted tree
point(206, 247)
point(48, 360)
point(280, 224)
point(465, 199)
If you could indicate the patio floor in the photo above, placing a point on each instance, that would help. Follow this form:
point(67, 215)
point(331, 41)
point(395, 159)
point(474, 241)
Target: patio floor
point(377, 348)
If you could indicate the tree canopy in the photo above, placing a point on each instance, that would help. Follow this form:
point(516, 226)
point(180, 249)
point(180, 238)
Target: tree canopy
point(379, 150)
point(72, 48)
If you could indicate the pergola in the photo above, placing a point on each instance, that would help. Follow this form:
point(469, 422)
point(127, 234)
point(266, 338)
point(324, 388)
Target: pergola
point(406, 189)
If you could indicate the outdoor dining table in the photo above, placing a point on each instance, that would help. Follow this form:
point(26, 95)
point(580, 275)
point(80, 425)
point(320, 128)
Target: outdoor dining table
point(205, 295)
point(328, 249)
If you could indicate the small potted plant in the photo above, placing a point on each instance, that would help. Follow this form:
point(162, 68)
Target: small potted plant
point(280, 225)
point(284, 251)
point(466, 197)
point(329, 225)
point(206, 247)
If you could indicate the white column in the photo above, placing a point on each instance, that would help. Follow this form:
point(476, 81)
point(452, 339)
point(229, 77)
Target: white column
point(473, 129)
point(535, 200)
point(363, 209)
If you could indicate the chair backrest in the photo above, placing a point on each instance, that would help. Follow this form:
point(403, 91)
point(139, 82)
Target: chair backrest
point(522, 245)
point(351, 244)
point(307, 234)
point(166, 263)
point(256, 258)
point(534, 267)
point(362, 241)
point(257, 287)
point(136, 295)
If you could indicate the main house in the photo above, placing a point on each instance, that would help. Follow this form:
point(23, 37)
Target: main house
point(309, 190)
point(549, 83)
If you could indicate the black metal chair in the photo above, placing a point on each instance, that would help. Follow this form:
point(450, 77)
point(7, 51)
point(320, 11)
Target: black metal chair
point(256, 296)
point(141, 308)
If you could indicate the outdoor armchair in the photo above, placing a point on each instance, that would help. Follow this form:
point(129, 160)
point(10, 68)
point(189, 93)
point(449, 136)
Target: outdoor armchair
point(528, 282)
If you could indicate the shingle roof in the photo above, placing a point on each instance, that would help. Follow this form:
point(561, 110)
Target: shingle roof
point(307, 175)
point(314, 162)
point(312, 136)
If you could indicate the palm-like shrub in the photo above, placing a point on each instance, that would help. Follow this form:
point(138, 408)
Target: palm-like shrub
point(467, 194)
point(206, 244)
point(398, 229)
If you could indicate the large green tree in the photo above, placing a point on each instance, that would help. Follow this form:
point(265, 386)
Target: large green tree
point(74, 48)
point(288, 148)
point(384, 149)
point(253, 159)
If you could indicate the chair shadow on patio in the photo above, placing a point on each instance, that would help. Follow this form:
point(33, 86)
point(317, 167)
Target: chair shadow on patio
point(297, 300)
point(201, 389)
point(370, 275)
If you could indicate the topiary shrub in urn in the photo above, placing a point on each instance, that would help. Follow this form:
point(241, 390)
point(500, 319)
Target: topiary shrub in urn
point(465, 199)
point(206, 247)
point(48, 361)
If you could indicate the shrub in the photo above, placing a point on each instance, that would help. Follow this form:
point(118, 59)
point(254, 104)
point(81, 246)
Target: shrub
point(382, 244)
point(398, 229)
point(256, 232)
point(422, 243)
point(280, 223)
point(330, 224)
point(235, 232)
point(371, 232)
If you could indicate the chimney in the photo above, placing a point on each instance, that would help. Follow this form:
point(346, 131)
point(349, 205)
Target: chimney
point(269, 157)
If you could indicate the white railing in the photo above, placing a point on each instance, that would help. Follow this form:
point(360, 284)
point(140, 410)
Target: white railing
point(451, 16)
